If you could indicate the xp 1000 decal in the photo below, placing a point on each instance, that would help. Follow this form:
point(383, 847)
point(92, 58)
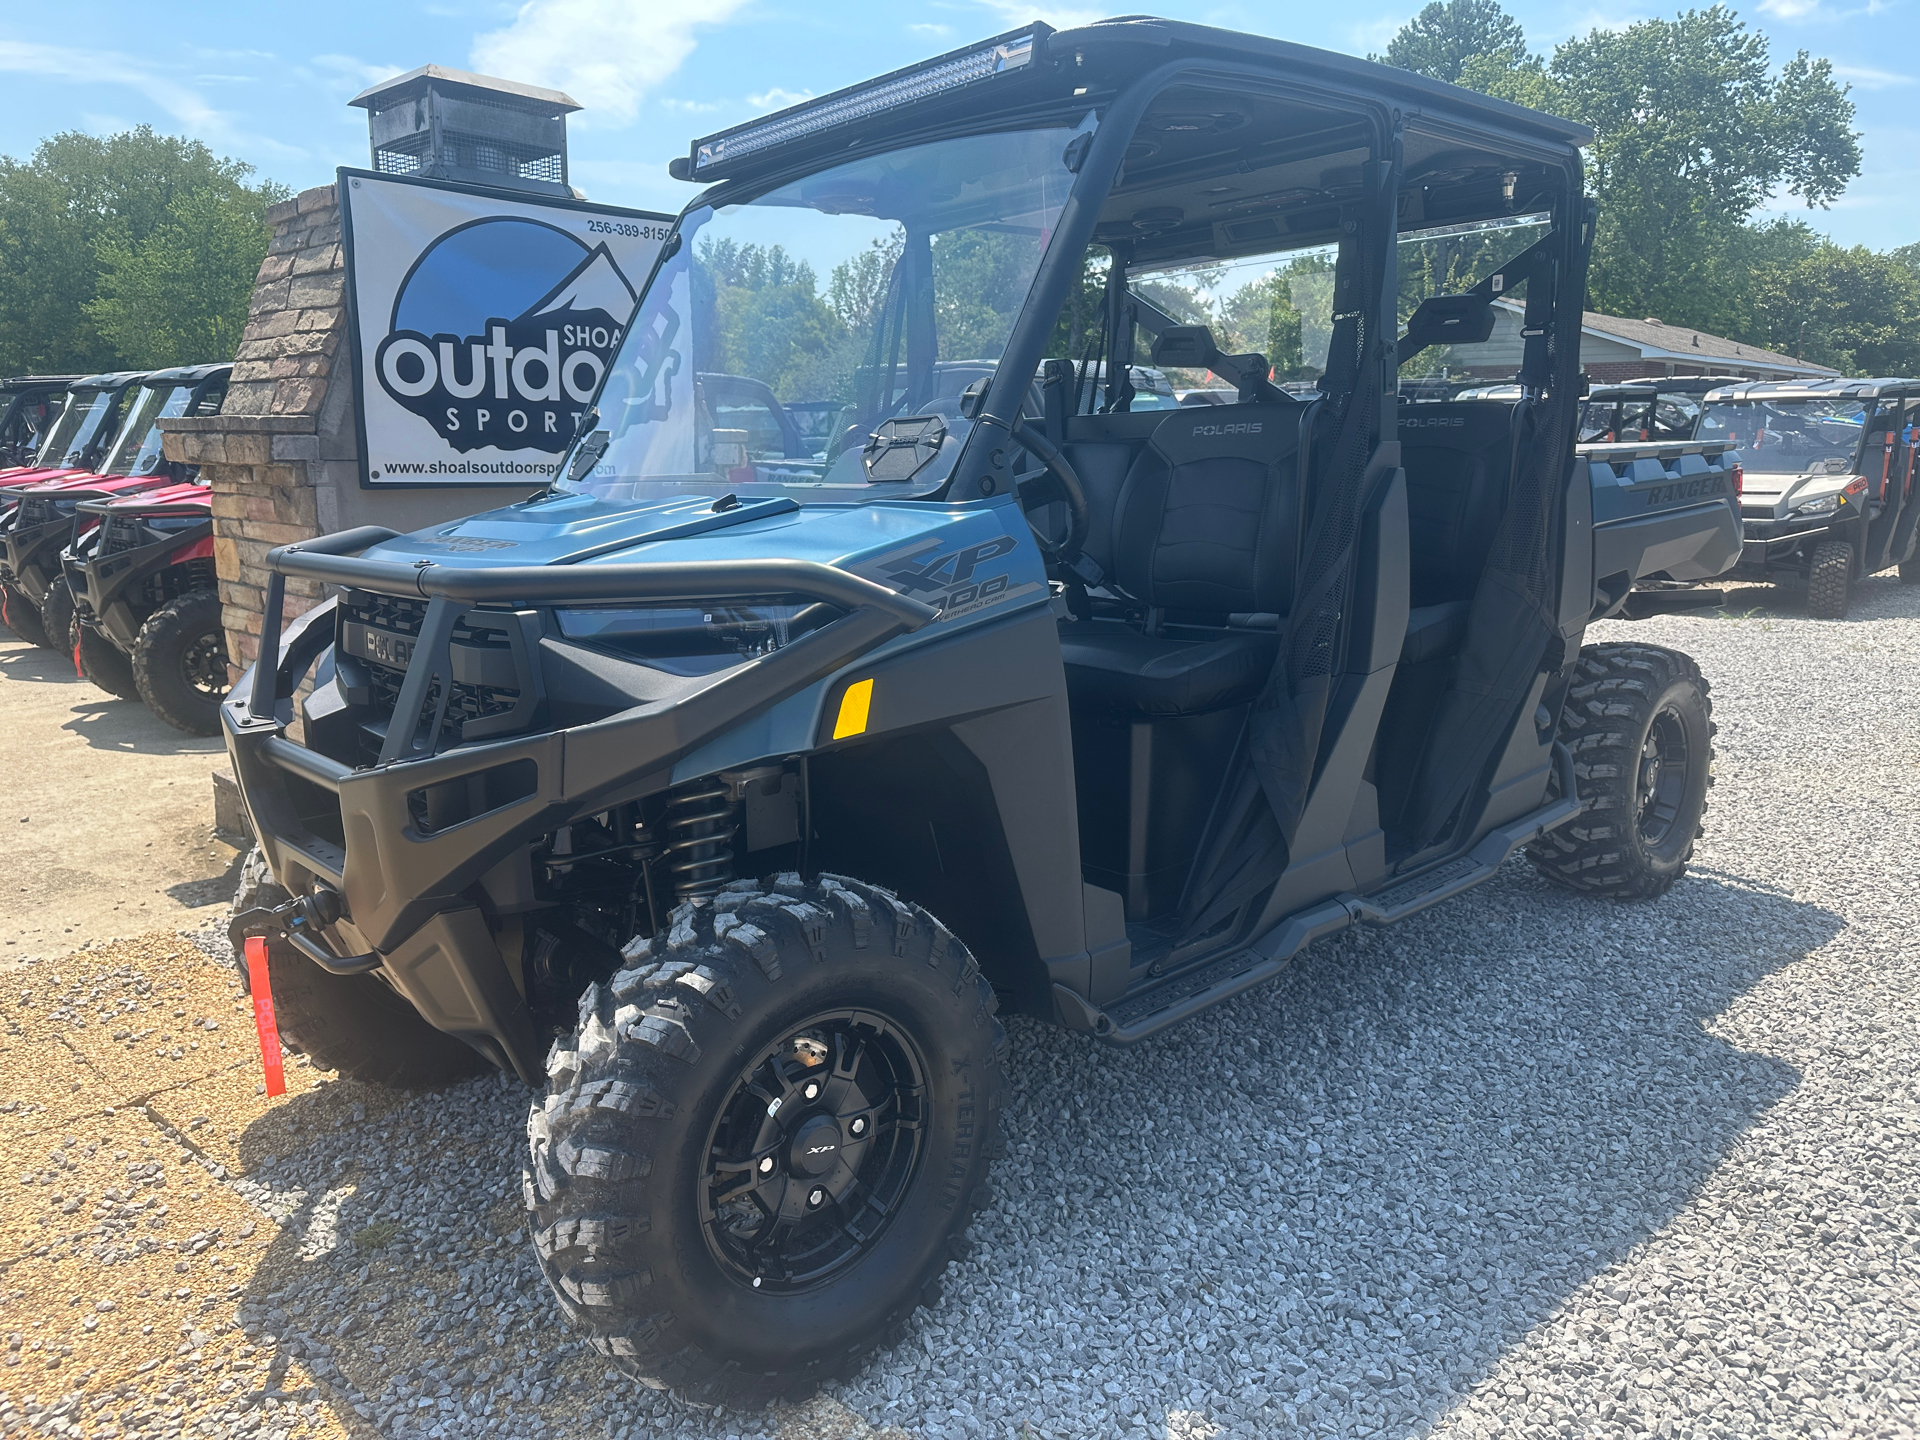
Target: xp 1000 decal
point(483, 324)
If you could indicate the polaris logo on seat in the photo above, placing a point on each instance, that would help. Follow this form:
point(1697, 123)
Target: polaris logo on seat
point(1434, 422)
point(1242, 427)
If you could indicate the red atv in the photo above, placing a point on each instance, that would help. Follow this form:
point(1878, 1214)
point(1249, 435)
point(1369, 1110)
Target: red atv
point(146, 603)
point(89, 423)
point(47, 519)
point(29, 404)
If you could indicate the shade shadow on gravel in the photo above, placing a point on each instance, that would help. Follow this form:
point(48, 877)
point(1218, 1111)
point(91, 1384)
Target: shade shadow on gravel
point(1331, 1205)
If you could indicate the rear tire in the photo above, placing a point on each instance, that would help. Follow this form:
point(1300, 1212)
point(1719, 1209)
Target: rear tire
point(56, 617)
point(354, 1024)
point(1639, 722)
point(104, 663)
point(180, 662)
point(661, 1188)
point(22, 615)
point(1830, 580)
point(1910, 571)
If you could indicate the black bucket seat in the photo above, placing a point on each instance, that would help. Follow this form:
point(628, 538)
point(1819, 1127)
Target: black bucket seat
point(1205, 531)
point(1458, 458)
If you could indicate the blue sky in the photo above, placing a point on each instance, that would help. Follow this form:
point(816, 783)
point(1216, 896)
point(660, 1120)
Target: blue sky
point(269, 82)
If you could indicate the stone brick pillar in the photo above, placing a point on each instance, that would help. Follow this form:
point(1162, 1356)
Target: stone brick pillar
point(283, 454)
point(288, 418)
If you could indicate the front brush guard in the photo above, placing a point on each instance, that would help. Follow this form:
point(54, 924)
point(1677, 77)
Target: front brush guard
point(409, 891)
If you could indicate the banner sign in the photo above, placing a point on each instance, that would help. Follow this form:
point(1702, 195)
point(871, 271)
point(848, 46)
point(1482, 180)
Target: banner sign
point(481, 323)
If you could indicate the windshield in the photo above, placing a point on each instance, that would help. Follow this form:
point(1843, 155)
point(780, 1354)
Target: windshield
point(1641, 417)
point(817, 339)
point(1789, 437)
point(137, 449)
point(82, 424)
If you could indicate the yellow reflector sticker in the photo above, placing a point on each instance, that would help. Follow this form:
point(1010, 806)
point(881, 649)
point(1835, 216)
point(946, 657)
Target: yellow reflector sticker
point(853, 710)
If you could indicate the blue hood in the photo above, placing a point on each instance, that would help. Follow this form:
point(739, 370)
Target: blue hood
point(564, 529)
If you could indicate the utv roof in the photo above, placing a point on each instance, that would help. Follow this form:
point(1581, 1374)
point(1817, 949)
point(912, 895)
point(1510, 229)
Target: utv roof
point(24, 382)
point(1664, 385)
point(187, 374)
point(1035, 68)
point(110, 379)
point(1818, 389)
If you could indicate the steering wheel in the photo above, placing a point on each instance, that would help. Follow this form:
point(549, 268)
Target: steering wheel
point(1079, 515)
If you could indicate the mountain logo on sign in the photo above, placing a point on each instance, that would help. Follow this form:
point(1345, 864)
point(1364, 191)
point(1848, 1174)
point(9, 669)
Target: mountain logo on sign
point(500, 334)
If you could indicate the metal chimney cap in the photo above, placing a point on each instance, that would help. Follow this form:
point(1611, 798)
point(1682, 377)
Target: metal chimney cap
point(414, 83)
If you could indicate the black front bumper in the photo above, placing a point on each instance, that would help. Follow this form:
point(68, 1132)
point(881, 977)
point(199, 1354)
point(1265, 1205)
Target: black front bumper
point(109, 567)
point(33, 555)
point(408, 891)
point(1785, 544)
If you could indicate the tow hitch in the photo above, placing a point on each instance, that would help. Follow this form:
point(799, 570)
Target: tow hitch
point(298, 922)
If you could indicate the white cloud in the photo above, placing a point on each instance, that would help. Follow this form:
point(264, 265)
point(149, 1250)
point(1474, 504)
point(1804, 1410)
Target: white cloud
point(607, 54)
point(937, 30)
point(1789, 9)
point(778, 99)
point(105, 67)
point(1865, 79)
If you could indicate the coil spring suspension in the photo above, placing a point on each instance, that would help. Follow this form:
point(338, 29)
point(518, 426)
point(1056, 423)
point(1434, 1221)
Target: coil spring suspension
point(701, 823)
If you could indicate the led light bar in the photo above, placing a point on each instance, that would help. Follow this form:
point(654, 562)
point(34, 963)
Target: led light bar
point(999, 56)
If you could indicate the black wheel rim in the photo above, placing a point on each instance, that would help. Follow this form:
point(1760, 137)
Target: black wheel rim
point(1666, 763)
point(204, 665)
point(814, 1151)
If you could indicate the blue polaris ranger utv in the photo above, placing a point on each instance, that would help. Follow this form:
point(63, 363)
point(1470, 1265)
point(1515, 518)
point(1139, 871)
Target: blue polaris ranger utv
point(725, 793)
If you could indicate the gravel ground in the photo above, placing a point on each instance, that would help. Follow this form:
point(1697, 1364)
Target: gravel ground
point(1529, 1163)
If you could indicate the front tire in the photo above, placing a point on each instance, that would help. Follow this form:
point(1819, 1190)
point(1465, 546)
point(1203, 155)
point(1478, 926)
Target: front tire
point(56, 617)
point(180, 662)
point(21, 615)
point(1830, 580)
point(716, 1225)
point(1910, 571)
point(104, 663)
point(1639, 723)
point(354, 1024)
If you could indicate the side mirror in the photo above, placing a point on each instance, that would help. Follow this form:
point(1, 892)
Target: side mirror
point(588, 455)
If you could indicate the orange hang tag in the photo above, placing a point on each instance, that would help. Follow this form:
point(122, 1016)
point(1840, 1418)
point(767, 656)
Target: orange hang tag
point(262, 987)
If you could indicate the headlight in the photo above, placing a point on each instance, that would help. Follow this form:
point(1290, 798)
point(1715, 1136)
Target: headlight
point(698, 638)
point(1855, 490)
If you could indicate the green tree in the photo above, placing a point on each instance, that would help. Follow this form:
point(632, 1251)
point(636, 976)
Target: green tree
point(858, 286)
point(980, 280)
point(181, 296)
point(1444, 38)
point(84, 218)
point(1849, 308)
point(769, 322)
point(1692, 134)
point(1261, 319)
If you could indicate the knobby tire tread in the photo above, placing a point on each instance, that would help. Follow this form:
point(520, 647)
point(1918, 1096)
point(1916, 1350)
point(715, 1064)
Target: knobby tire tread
point(1830, 580)
point(157, 655)
point(1616, 691)
point(586, 1184)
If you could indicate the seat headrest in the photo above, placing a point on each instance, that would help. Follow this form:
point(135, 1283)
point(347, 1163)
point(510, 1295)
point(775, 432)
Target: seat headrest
point(1185, 347)
point(1263, 432)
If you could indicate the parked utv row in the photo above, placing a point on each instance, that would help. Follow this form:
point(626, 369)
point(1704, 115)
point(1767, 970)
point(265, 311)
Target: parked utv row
point(108, 546)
